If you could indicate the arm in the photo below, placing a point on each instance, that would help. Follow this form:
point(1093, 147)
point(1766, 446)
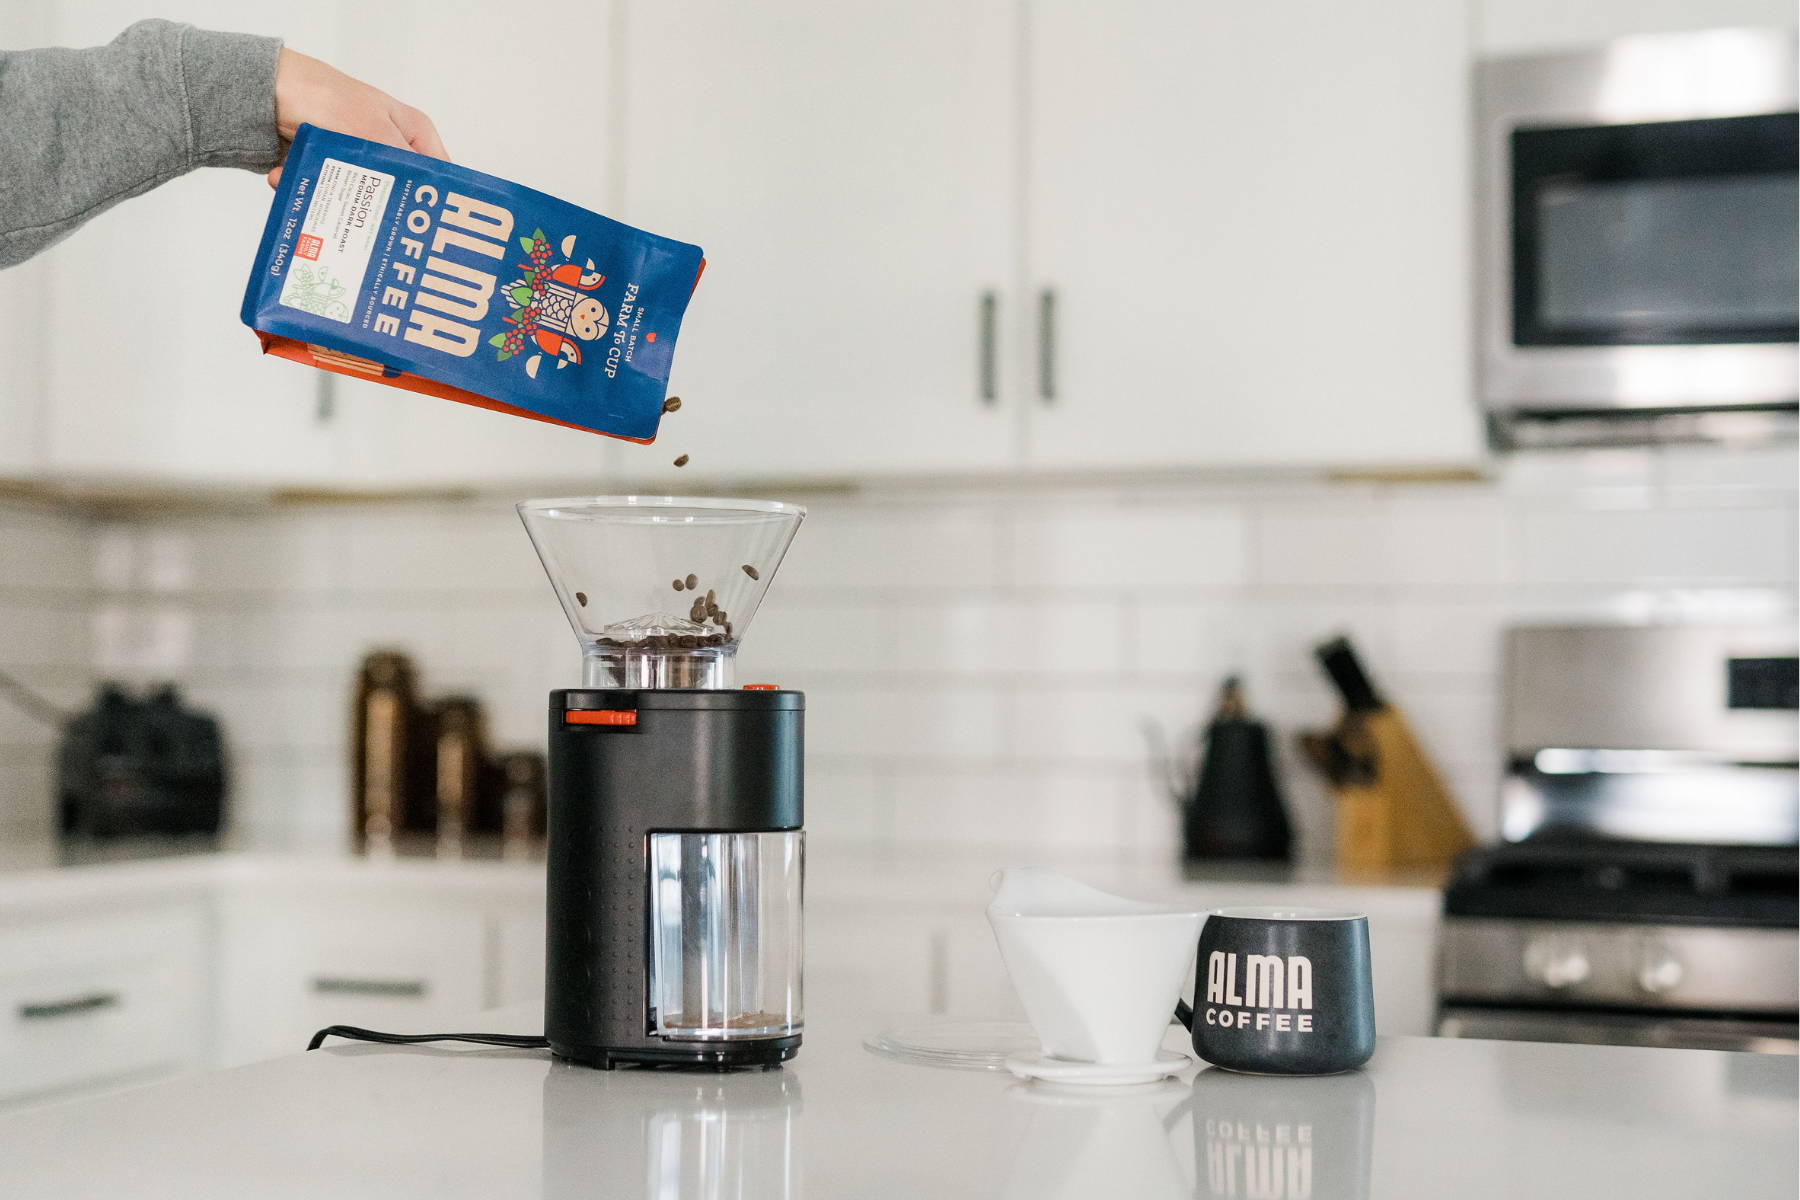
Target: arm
point(85, 129)
point(81, 130)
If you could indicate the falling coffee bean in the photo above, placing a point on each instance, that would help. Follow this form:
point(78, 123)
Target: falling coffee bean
point(693, 581)
point(679, 584)
point(698, 612)
point(581, 599)
point(751, 571)
point(681, 460)
point(712, 598)
point(672, 404)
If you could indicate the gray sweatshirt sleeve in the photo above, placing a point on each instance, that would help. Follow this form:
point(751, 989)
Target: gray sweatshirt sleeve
point(81, 130)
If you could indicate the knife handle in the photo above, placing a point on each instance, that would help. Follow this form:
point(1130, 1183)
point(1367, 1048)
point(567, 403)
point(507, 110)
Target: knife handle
point(1339, 659)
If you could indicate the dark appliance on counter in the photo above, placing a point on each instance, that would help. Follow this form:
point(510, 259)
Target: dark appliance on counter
point(1646, 894)
point(133, 766)
point(1233, 810)
point(1638, 240)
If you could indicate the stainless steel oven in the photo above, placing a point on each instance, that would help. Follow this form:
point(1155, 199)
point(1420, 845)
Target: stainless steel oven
point(1648, 890)
point(1639, 239)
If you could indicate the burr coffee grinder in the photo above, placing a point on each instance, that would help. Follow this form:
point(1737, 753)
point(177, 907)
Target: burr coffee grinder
point(675, 851)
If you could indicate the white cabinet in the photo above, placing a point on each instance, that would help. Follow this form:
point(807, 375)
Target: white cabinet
point(849, 170)
point(150, 373)
point(86, 999)
point(1248, 224)
point(292, 965)
point(151, 376)
point(943, 237)
point(521, 95)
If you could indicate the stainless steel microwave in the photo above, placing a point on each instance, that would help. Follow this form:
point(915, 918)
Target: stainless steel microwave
point(1639, 240)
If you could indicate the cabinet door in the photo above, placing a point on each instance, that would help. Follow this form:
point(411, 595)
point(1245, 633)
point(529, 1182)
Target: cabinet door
point(150, 372)
point(91, 998)
point(291, 966)
point(519, 93)
point(1248, 224)
point(849, 170)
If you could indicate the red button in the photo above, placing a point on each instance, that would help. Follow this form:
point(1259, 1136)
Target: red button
point(762, 687)
point(600, 716)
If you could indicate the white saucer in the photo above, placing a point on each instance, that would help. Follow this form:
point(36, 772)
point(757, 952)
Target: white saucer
point(1088, 1074)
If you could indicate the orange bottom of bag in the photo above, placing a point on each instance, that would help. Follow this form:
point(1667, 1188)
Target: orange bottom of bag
point(340, 363)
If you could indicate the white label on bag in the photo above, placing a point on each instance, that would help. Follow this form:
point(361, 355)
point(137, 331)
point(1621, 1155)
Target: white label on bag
point(336, 240)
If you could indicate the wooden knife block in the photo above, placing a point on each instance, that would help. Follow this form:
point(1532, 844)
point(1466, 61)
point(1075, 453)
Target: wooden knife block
point(1405, 817)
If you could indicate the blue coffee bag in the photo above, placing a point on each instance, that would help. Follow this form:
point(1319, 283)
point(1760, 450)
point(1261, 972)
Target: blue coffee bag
point(421, 274)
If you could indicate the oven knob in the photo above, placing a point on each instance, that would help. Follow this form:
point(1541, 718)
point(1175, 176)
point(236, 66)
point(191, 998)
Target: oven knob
point(1556, 963)
point(1658, 971)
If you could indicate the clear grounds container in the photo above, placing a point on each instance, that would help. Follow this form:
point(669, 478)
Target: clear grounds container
point(726, 935)
point(660, 589)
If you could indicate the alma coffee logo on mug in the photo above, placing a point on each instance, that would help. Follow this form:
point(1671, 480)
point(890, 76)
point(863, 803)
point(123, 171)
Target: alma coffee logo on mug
point(1270, 983)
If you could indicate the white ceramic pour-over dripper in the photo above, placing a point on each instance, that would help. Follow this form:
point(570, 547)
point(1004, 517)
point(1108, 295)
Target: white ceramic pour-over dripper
point(1098, 974)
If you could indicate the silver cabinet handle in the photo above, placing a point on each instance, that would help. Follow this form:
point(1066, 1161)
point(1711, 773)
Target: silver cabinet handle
point(326, 405)
point(1047, 345)
point(48, 1010)
point(988, 367)
point(334, 985)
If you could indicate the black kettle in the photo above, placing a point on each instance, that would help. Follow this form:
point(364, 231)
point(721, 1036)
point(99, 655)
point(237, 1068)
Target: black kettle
point(1233, 809)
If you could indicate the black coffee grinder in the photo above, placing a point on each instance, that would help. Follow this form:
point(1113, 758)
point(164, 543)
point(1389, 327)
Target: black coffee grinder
point(675, 853)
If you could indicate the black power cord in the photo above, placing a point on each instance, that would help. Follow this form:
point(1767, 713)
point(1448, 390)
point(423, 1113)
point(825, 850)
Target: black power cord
point(517, 1041)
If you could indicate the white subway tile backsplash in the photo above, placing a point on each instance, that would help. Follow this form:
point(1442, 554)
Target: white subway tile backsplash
point(980, 663)
point(1152, 552)
point(924, 547)
point(897, 722)
point(40, 633)
point(820, 637)
point(283, 552)
point(1322, 545)
point(995, 807)
point(1205, 640)
point(1657, 546)
point(1010, 637)
point(1104, 723)
point(1772, 468)
point(848, 803)
point(42, 551)
point(1454, 637)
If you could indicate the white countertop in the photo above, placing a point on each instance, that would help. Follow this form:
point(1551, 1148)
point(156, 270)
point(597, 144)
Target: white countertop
point(1426, 1118)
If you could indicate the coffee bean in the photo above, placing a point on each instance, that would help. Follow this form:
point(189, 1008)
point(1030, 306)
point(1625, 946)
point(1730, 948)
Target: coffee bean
point(679, 584)
point(728, 629)
point(751, 571)
point(581, 599)
point(712, 598)
point(672, 404)
point(693, 581)
point(698, 612)
point(681, 460)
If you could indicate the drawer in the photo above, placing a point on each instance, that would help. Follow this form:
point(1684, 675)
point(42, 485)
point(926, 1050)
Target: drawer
point(88, 999)
point(291, 969)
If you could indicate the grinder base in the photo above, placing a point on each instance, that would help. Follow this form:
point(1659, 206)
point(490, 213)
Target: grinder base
point(717, 1056)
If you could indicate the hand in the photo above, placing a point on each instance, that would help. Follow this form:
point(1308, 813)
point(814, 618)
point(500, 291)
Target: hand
point(308, 92)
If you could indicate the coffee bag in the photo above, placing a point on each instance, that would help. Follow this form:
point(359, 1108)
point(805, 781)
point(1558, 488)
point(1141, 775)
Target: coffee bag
point(388, 265)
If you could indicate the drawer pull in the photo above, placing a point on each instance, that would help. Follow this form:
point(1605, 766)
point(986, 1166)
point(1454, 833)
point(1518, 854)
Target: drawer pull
point(332, 985)
point(49, 1010)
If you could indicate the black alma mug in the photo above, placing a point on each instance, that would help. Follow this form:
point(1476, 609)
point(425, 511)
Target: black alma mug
point(1283, 991)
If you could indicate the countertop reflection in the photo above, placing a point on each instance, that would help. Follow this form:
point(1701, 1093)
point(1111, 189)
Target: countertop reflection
point(1426, 1117)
